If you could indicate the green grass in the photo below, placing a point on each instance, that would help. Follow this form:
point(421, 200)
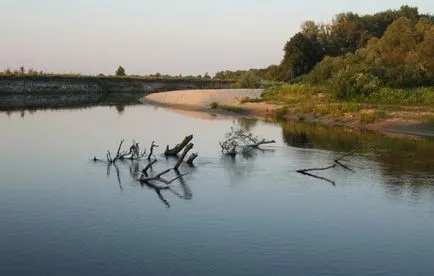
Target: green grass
point(231, 108)
point(370, 117)
point(429, 120)
point(251, 100)
point(409, 96)
point(214, 105)
point(280, 113)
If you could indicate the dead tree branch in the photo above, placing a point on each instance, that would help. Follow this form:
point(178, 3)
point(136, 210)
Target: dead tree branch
point(238, 139)
point(177, 149)
point(151, 151)
point(184, 153)
point(191, 158)
point(158, 177)
point(262, 142)
point(336, 162)
point(134, 153)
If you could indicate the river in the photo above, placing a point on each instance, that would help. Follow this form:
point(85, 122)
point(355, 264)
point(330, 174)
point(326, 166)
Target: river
point(62, 214)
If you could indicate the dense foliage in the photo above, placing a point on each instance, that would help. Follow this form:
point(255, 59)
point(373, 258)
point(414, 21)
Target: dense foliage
point(355, 56)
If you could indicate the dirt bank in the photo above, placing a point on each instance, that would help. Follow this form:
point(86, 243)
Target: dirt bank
point(233, 100)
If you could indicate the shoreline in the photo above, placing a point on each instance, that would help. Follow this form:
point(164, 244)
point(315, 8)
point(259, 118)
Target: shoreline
point(231, 103)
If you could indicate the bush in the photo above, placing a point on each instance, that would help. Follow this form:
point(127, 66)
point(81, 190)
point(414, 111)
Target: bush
point(348, 85)
point(214, 105)
point(248, 80)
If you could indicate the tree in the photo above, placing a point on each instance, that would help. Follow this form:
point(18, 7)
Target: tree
point(120, 71)
point(301, 55)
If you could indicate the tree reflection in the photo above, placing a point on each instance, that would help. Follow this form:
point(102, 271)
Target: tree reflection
point(120, 108)
point(247, 123)
point(397, 157)
point(134, 174)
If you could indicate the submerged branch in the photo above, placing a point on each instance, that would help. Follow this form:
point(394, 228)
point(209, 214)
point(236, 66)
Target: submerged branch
point(336, 162)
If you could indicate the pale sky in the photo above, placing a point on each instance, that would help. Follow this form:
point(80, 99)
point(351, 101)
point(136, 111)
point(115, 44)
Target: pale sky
point(166, 36)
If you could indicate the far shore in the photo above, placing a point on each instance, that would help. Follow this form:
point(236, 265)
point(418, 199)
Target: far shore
point(234, 101)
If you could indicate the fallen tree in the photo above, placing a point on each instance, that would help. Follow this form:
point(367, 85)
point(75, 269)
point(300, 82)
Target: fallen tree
point(155, 181)
point(179, 147)
point(239, 140)
point(134, 153)
point(336, 162)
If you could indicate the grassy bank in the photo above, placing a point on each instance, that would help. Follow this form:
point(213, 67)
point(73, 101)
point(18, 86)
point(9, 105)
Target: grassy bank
point(319, 103)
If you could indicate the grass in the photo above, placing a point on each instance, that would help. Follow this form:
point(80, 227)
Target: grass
point(319, 101)
point(251, 100)
point(280, 113)
point(368, 117)
point(214, 105)
point(230, 108)
point(409, 96)
point(429, 120)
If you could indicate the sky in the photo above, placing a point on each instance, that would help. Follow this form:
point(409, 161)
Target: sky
point(187, 37)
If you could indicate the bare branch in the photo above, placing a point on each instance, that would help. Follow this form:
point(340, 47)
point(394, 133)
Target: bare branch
point(316, 176)
point(337, 162)
point(316, 169)
point(151, 152)
point(191, 158)
point(177, 149)
point(184, 153)
point(119, 149)
point(149, 165)
point(262, 142)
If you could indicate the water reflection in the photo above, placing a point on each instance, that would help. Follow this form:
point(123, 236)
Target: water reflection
point(135, 171)
point(120, 108)
point(23, 112)
point(405, 162)
point(247, 123)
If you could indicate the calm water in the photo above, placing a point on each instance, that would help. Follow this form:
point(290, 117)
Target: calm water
point(60, 214)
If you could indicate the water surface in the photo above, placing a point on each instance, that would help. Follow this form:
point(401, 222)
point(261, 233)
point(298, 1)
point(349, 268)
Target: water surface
point(61, 214)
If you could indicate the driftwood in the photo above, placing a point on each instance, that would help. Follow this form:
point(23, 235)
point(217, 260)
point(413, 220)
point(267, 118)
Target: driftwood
point(262, 142)
point(240, 140)
point(134, 153)
point(336, 162)
point(158, 177)
point(151, 151)
point(184, 153)
point(191, 158)
point(154, 181)
point(186, 192)
point(178, 148)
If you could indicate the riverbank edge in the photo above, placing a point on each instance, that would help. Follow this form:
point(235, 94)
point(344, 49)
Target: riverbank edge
point(402, 127)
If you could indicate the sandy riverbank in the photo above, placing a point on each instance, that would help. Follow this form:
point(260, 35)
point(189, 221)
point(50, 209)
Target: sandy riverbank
point(201, 100)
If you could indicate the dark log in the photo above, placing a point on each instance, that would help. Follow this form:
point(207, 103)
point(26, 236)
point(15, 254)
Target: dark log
point(191, 158)
point(317, 177)
point(262, 142)
point(119, 150)
point(336, 163)
point(316, 169)
point(151, 152)
point(149, 165)
point(178, 148)
point(184, 153)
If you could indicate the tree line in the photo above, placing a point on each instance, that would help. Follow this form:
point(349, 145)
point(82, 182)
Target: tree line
point(355, 54)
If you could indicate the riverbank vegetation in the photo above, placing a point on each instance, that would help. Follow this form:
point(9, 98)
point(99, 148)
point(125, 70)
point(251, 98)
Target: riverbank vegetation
point(355, 63)
point(120, 73)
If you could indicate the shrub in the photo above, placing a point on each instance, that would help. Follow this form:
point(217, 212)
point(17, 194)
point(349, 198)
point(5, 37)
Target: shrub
point(248, 80)
point(214, 105)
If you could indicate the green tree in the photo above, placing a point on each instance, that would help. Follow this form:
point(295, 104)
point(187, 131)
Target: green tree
point(249, 80)
point(301, 55)
point(120, 71)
